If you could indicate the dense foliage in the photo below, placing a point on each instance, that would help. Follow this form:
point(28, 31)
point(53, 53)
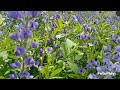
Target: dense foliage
point(59, 45)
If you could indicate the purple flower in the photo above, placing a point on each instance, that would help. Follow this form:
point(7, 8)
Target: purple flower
point(116, 56)
point(107, 55)
point(55, 45)
point(96, 21)
point(114, 39)
point(75, 19)
point(92, 76)
point(94, 29)
point(50, 40)
point(31, 77)
point(94, 62)
point(117, 59)
point(107, 61)
point(13, 76)
point(116, 68)
point(20, 51)
point(81, 70)
point(34, 44)
point(57, 16)
point(58, 54)
point(29, 61)
point(98, 63)
point(24, 74)
point(103, 68)
point(32, 24)
point(117, 49)
point(89, 66)
point(17, 36)
point(37, 63)
point(18, 64)
point(49, 49)
point(113, 26)
point(118, 40)
point(99, 69)
point(86, 37)
point(12, 36)
point(41, 50)
point(88, 28)
point(15, 65)
point(85, 25)
point(106, 48)
point(26, 33)
point(32, 13)
point(15, 14)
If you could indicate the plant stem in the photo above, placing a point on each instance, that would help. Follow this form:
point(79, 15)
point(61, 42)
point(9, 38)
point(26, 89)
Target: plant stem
point(25, 44)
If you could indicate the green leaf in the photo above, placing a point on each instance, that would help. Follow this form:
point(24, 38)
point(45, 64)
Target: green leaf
point(64, 49)
point(7, 41)
point(60, 36)
point(70, 43)
point(54, 73)
point(74, 75)
point(83, 47)
point(1, 19)
point(57, 77)
point(4, 55)
point(36, 39)
point(59, 23)
point(2, 77)
point(12, 56)
point(73, 67)
point(90, 44)
point(28, 43)
point(77, 57)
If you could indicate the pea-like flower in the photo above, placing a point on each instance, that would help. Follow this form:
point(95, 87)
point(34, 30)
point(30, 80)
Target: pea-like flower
point(34, 44)
point(15, 65)
point(118, 40)
point(89, 66)
point(96, 21)
point(88, 28)
point(92, 76)
point(49, 49)
point(31, 77)
point(85, 37)
point(18, 36)
point(32, 13)
point(107, 61)
point(116, 57)
point(96, 63)
point(32, 24)
point(20, 51)
point(81, 70)
point(107, 55)
point(29, 61)
point(26, 33)
point(37, 63)
point(15, 14)
point(106, 48)
point(93, 29)
point(117, 49)
point(59, 54)
point(13, 76)
point(116, 68)
point(24, 74)
point(85, 25)
point(75, 19)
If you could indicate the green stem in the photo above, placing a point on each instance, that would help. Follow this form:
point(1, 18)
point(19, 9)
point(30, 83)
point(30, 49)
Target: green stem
point(25, 44)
